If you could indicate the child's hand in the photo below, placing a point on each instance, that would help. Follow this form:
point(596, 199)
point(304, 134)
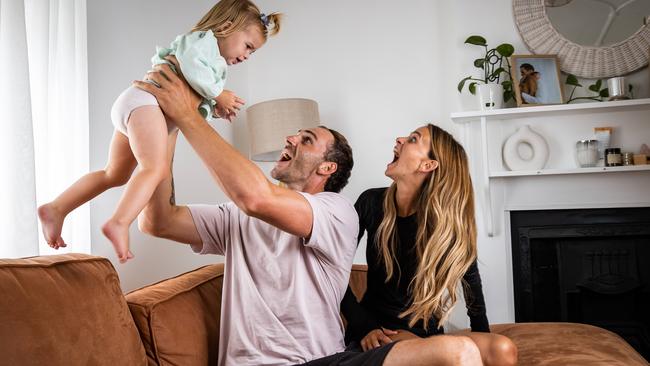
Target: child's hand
point(228, 104)
point(219, 112)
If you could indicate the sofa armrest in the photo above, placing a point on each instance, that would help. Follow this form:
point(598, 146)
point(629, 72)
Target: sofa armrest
point(178, 318)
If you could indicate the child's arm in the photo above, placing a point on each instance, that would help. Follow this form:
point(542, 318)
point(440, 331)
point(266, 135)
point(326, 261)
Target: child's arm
point(228, 104)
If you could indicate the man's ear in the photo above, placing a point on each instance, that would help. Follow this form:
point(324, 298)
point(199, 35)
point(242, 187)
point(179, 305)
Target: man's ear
point(327, 168)
point(428, 166)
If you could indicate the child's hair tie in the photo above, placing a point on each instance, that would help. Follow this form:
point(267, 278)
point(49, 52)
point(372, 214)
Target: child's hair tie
point(265, 20)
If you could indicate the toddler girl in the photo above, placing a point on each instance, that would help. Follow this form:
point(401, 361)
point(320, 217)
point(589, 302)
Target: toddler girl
point(228, 34)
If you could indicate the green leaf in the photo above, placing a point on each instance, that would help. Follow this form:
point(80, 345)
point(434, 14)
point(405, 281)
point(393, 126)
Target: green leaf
point(476, 40)
point(472, 88)
point(461, 84)
point(572, 80)
point(507, 84)
point(505, 49)
point(496, 72)
point(604, 93)
point(479, 62)
point(507, 95)
point(595, 87)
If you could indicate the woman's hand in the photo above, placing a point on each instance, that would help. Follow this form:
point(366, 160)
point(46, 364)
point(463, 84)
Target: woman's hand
point(402, 335)
point(377, 338)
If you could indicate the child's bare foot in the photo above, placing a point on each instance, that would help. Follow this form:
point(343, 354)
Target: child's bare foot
point(118, 234)
point(52, 222)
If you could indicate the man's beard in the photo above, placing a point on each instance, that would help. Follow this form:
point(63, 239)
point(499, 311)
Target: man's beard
point(297, 172)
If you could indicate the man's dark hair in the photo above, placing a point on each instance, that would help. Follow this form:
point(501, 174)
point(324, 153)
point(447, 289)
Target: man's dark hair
point(527, 67)
point(338, 152)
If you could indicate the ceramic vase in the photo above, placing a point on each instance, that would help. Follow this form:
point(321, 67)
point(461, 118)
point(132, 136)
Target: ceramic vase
point(512, 156)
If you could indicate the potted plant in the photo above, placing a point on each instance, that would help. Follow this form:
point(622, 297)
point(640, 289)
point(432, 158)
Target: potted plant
point(492, 92)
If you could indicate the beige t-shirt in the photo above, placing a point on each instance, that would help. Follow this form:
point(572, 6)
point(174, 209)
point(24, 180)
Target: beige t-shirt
point(281, 293)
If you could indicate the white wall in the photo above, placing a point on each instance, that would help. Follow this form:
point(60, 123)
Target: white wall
point(378, 70)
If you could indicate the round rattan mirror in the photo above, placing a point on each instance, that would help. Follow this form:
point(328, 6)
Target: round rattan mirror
point(541, 37)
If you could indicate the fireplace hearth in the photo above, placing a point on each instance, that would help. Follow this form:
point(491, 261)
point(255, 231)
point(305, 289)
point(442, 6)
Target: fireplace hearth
point(587, 266)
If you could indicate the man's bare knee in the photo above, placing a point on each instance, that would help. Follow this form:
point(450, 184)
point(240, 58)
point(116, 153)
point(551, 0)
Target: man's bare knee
point(503, 352)
point(467, 352)
point(436, 350)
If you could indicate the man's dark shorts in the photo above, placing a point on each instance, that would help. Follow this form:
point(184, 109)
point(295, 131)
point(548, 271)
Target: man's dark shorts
point(354, 356)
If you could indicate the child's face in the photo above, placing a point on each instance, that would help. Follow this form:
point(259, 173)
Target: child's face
point(238, 46)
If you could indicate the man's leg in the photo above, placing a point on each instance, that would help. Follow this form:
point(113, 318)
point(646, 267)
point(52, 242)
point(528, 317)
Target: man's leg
point(495, 349)
point(437, 350)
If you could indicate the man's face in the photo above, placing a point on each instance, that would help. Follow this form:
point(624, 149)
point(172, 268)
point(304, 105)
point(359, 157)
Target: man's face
point(302, 155)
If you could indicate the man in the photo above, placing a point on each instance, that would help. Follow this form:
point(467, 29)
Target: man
point(288, 250)
point(527, 83)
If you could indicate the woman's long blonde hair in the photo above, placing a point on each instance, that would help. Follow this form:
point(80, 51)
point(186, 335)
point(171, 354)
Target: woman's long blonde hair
point(229, 16)
point(446, 235)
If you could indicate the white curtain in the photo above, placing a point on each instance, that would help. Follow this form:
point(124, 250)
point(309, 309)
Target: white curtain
point(44, 119)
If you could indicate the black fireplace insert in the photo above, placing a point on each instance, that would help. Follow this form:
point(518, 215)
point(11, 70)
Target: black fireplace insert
point(587, 266)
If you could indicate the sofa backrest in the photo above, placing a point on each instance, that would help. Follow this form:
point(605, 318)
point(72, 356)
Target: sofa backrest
point(65, 310)
point(358, 280)
point(178, 318)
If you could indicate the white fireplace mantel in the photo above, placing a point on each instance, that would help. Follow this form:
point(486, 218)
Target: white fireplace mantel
point(561, 125)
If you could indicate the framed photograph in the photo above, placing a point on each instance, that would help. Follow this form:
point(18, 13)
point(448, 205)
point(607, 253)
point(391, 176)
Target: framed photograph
point(536, 80)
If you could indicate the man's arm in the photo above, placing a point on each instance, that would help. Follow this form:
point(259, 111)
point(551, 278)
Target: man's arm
point(162, 217)
point(241, 180)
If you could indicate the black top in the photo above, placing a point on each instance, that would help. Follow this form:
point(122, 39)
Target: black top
point(383, 302)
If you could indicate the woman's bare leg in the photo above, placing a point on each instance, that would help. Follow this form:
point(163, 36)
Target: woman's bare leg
point(121, 163)
point(148, 140)
point(495, 349)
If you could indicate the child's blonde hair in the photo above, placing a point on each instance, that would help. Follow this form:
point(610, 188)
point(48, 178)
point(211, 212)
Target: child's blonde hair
point(229, 16)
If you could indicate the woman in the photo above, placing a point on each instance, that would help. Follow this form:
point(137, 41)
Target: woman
point(421, 246)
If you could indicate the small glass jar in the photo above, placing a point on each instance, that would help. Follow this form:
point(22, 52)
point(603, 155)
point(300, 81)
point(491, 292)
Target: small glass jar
point(587, 153)
point(613, 157)
point(628, 158)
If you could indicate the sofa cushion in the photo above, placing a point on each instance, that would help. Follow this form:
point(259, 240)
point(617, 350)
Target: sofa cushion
point(178, 318)
point(568, 344)
point(65, 310)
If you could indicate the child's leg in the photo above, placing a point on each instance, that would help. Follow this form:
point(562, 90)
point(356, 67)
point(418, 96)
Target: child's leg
point(121, 163)
point(148, 139)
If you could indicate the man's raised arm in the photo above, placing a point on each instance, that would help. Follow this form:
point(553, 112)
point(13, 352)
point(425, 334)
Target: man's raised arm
point(240, 179)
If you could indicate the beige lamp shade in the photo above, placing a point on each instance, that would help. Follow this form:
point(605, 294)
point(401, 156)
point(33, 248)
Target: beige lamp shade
point(270, 122)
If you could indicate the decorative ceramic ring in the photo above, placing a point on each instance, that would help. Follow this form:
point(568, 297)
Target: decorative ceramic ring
point(512, 157)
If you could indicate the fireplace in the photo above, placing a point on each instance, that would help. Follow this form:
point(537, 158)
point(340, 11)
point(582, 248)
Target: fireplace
point(587, 266)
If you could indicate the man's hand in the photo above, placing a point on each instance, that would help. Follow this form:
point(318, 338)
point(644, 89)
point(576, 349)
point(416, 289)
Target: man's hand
point(228, 104)
point(376, 338)
point(175, 97)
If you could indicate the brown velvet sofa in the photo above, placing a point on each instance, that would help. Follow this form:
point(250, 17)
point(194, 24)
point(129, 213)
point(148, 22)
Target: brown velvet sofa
point(69, 310)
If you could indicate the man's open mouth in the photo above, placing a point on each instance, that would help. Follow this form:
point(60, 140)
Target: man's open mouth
point(285, 156)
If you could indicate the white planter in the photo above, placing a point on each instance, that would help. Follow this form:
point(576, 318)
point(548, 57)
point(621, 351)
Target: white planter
point(490, 96)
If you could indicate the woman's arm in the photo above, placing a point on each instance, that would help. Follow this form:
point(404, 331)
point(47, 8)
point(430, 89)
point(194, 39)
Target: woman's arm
point(474, 300)
point(360, 321)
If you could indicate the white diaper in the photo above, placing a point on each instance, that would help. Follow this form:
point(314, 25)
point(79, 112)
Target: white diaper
point(127, 102)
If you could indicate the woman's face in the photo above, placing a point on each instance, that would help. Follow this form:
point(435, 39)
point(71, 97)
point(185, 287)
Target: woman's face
point(411, 154)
